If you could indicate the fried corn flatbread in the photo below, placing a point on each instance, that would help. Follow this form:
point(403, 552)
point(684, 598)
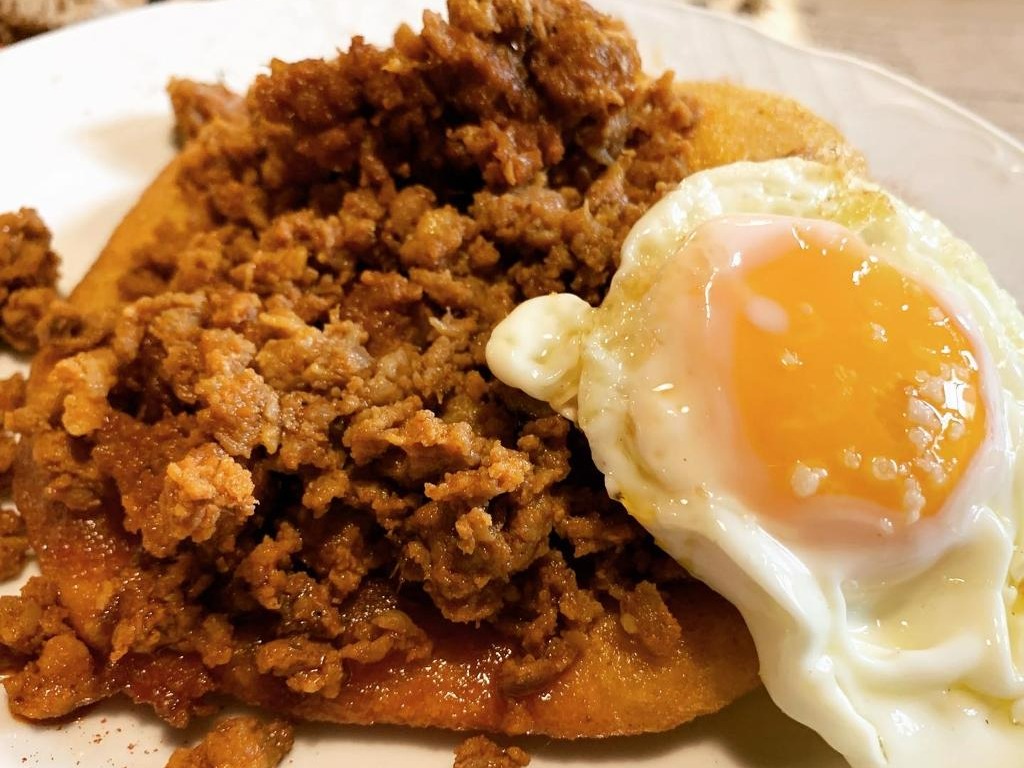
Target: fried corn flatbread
point(262, 454)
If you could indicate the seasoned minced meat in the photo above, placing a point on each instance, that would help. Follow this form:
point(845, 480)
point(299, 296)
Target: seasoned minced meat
point(28, 274)
point(12, 397)
point(481, 752)
point(293, 407)
point(238, 742)
point(196, 104)
point(13, 543)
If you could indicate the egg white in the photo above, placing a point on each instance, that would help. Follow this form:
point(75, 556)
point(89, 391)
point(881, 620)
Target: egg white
point(900, 651)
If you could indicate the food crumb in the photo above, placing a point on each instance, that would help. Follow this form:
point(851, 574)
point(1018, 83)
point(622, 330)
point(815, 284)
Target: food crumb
point(196, 104)
point(238, 742)
point(12, 397)
point(13, 543)
point(481, 752)
point(28, 275)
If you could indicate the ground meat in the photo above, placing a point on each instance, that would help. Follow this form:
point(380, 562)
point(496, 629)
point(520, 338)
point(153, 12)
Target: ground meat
point(238, 742)
point(31, 618)
point(12, 397)
point(22, 313)
point(28, 274)
point(291, 412)
point(13, 543)
point(203, 494)
point(645, 615)
point(196, 104)
point(87, 379)
point(62, 679)
point(481, 752)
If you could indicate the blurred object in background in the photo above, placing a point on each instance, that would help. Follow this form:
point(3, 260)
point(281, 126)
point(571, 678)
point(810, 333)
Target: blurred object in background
point(23, 18)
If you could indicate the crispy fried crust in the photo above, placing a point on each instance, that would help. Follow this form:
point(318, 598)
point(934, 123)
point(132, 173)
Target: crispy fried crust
point(615, 687)
point(736, 123)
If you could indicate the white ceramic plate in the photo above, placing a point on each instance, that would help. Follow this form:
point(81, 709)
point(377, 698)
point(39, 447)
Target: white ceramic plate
point(87, 126)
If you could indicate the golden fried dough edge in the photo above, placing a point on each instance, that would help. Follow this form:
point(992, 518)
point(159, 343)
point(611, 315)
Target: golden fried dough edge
point(736, 123)
point(615, 687)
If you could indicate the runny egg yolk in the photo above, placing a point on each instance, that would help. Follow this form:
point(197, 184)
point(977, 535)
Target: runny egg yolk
point(846, 377)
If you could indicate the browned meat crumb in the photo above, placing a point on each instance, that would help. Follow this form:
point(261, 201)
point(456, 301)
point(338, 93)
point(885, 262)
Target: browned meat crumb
point(293, 408)
point(238, 742)
point(61, 674)
point(29, 619)
point(196, 104)
point(12, 397)
point(481, 752)
point(645, 615)
point(22, 314)
point(13, 543)
point(62, 679)
point(28, 273)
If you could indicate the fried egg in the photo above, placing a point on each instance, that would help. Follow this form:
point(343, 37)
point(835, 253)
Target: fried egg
point(811, 395)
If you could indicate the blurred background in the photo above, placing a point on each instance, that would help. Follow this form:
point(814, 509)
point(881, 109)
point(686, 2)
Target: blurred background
point(969, 50)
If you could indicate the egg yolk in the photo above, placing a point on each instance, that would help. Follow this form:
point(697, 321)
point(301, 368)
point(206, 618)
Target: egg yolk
point(847, 377)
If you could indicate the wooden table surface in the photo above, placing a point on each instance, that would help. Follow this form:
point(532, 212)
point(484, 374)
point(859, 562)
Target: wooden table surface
point(969, 50)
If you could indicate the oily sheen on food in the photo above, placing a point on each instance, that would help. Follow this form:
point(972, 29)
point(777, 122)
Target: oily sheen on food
point(810, 394)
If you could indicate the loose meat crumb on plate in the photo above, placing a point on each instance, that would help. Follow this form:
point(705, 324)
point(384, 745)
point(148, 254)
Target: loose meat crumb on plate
point(238, 742)
point(481, 752)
